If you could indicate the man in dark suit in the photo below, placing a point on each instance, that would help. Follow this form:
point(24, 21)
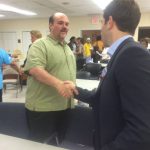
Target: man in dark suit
point(121, 104)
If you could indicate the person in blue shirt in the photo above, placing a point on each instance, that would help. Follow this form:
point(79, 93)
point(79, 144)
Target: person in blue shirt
point(5, 59)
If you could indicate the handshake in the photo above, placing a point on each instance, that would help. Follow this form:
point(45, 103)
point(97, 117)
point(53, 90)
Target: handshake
point(67, 89)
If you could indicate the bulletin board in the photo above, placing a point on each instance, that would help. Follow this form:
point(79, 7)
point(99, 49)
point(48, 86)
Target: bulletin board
point(90, 33)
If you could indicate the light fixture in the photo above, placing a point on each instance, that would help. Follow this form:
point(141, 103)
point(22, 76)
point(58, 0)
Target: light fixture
point(102, 3)
point(16, 10)
point(1, 15)
point(65, 3)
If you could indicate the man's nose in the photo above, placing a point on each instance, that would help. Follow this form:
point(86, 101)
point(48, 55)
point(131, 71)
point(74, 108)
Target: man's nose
point(65, 25)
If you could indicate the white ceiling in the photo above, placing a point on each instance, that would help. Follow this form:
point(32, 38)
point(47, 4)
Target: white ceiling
point(44, 8)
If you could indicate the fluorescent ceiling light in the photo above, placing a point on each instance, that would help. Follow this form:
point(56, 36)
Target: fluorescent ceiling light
point(16, 10)
point(102, 3)
point(1, 15)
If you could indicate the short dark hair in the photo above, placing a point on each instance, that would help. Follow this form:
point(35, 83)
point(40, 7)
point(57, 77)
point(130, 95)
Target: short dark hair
point(126, 14)
point(51, 19)
point(98, 38)
point(72, 38)
point(144, 40)
point(81, 40)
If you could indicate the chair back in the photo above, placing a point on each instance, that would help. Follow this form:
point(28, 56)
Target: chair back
point(11, 78)
point(80, 129)
point(83, 75)
point(94, 68)
point(80, 63)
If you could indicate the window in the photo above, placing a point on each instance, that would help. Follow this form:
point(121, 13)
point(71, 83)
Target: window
point(144, 32)
point(8, 41)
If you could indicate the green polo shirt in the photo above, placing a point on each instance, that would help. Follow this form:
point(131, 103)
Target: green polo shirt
point(59, 61)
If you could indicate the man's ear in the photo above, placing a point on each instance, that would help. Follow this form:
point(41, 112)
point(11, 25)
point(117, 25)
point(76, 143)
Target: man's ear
point(50, 26)
point(110, 22)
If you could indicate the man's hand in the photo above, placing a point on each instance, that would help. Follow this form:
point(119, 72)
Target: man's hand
point(20, 71)
point(70, 83)
point(16, 67)
point(66, 89)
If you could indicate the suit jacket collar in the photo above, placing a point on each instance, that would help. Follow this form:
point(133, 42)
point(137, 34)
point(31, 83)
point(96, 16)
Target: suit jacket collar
point(118, 50)
point(122, 46)
point(116, 44)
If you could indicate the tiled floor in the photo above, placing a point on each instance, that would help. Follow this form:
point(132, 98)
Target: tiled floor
point(10, 95)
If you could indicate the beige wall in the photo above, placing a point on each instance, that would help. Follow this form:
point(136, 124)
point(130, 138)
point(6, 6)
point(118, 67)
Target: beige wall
point(76, 25)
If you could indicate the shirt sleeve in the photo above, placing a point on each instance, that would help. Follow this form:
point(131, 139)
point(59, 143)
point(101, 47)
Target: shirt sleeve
point(36, 57)
point(6, 59)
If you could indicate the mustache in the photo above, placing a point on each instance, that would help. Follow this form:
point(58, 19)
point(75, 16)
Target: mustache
point(64, 30)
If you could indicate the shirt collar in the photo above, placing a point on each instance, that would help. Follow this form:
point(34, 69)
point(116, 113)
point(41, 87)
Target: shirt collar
point(55, 41)
point(116, 44)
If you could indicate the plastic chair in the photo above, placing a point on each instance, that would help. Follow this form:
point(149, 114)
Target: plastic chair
point(80, 63)
point(95, 70)
point(83, 75)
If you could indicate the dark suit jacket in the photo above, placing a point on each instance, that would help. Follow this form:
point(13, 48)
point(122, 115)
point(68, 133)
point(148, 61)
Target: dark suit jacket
point(121, 104)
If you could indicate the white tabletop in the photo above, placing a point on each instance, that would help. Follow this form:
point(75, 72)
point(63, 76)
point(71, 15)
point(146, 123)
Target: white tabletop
point(103, 64)
point(87, 84)
point(14, 143)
